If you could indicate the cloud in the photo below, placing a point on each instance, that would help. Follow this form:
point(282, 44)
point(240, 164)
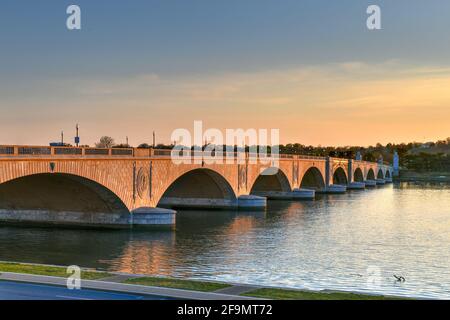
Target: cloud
point(356, 101)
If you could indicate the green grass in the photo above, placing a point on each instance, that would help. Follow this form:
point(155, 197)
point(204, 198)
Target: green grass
point(282, 294)
point(268, 293)
point(48, 270)
point(178, 283)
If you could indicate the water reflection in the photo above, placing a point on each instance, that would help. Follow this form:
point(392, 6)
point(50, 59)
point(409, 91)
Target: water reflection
point(333, 242)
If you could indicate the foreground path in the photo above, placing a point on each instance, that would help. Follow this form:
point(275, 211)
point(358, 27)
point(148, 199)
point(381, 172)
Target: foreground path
point(48, 287)
point(27, 291)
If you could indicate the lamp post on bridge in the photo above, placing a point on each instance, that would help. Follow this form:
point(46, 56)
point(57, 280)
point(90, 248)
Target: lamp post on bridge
point(77, 138)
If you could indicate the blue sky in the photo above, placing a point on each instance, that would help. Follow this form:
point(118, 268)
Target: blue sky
point(45, 69)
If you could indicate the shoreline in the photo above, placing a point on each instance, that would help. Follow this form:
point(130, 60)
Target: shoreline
point(177, 288)
point(412, 176)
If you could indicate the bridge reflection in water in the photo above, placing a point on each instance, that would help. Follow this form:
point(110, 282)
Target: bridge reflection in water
point(328, 243)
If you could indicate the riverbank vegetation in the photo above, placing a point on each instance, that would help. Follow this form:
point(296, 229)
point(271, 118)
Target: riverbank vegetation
point(204, 286)
point(414, 156)
point(431, 156)
point(285, 294)
point(194, 285)
point(45, 270)
point(265, 293)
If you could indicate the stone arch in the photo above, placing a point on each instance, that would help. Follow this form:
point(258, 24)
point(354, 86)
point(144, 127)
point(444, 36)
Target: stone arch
point(59, 192)
point(340, 177)
point(358, 175)
point(313, 179)
point(271, 179)
point(199, 188)
point(370, 174)
point(117, 176)
point(380, 174)
point(388, 174)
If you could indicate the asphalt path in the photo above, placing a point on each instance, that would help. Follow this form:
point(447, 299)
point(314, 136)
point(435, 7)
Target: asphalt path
point(10, 290)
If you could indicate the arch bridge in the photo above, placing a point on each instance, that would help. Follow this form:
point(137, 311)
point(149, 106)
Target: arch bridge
point(103, 186)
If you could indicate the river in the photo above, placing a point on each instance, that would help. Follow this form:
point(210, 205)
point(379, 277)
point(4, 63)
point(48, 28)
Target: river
point(353, 242)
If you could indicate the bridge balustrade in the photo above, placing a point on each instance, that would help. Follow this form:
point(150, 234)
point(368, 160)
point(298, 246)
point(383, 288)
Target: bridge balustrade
point(7, 150)
point(96, 152)
point(122, 152)
point(35, 151)
point(24, 151)
point(68, 151)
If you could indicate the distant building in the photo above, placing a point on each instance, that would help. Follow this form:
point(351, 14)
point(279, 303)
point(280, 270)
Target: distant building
point(427, 145)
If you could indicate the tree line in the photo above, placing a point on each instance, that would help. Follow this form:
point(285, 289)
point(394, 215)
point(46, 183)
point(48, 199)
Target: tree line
point(413, 155)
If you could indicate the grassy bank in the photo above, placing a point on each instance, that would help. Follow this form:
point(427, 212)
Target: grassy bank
point(266, 293)
point(194, 285)
point(432, 176)
point(285, 294)
point(44, 270)
point(178, 284)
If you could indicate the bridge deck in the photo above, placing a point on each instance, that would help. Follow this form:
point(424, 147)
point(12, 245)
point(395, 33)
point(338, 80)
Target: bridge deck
point(43, 152)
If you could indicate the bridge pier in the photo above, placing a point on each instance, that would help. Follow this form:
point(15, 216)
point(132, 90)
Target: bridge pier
point(198, 203)
point(146, 216)
point(242, 202)
point(304, 194)
point(252, 202)
point(380, 182)
point(335, 189)
point(370, 183)
point(356, 186)
point(141, 217)
point(296, 194)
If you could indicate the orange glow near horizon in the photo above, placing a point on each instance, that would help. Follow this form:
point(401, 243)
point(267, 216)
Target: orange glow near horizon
point(337, 104)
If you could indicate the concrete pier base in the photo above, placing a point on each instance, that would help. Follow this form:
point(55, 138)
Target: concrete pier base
point(146, 216)
point(296, 194)
point(274, 195)
point(388, 180)
point(198, 203)
point(303, 194)
point(370, 183)
point(356, 186)
point(252, 202)
point(141, 216)
point(65, 218)
point(380, 182)
point(335, 189)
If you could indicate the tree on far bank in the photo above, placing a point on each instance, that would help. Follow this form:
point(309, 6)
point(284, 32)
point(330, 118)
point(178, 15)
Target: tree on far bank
point(105, 142)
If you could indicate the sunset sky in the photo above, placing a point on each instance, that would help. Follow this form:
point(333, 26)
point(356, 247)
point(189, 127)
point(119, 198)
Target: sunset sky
point(309, 68)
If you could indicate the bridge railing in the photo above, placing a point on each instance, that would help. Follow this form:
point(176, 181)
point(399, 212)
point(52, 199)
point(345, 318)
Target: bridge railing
point(63, 151)
point(199, 154)
point(307, 157)
point(44, 151)
point(7, 151)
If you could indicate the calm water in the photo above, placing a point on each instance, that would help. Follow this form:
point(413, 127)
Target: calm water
point(355, 241)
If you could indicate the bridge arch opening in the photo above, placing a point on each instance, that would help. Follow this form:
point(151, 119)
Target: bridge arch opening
point(388, 174)
point(271, 179)
point(380, 174)
point(339, 177)
point(313, 179)
point(358, 175)
point(59, 192)
point(199, 188)
point(370, 174)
